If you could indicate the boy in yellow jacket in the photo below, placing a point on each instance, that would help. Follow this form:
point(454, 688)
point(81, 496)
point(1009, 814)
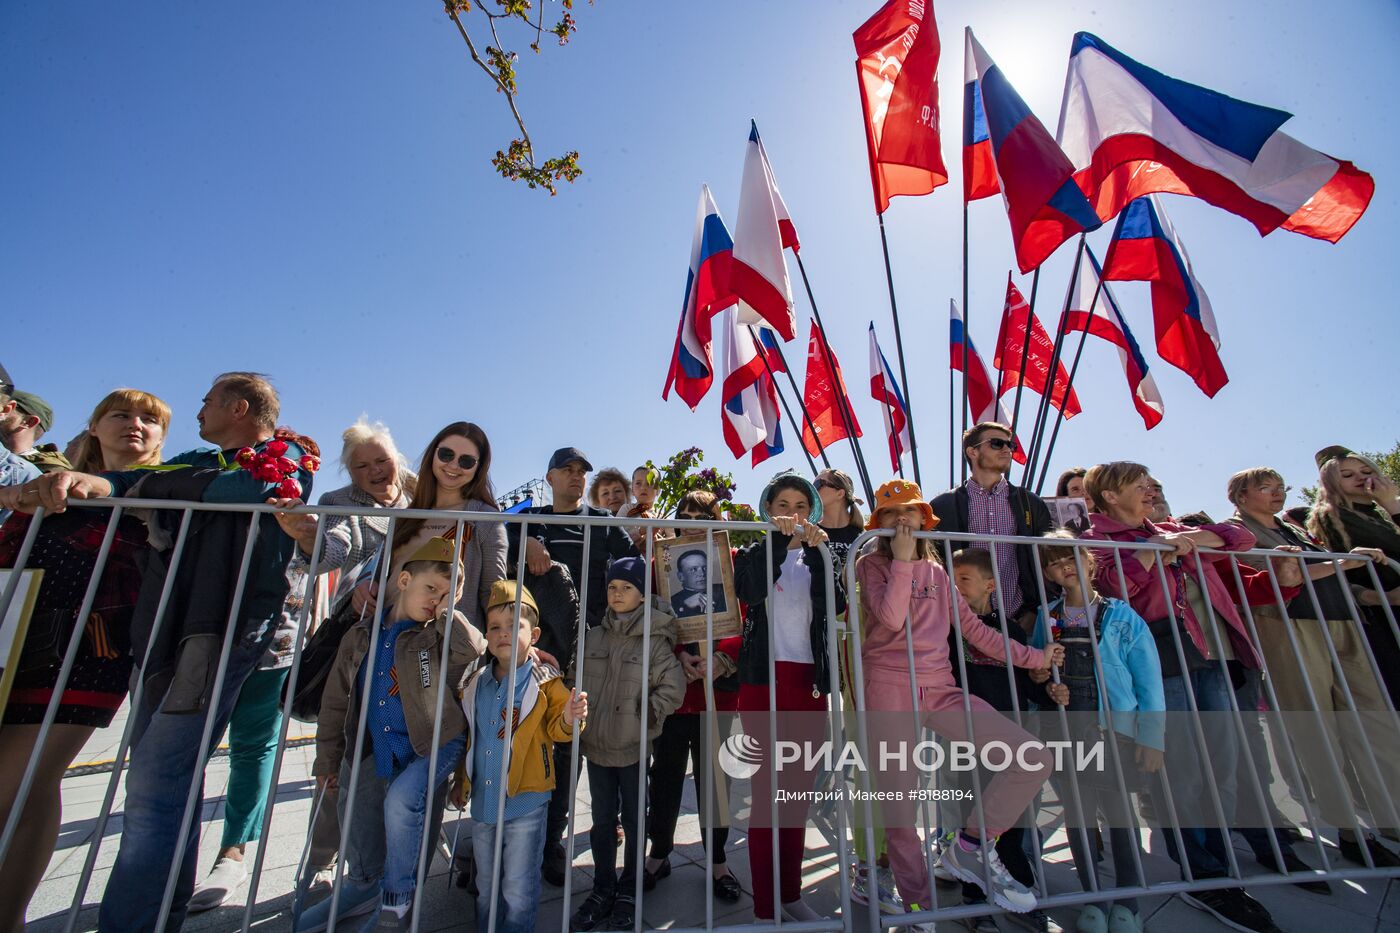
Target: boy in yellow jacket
point(543, 711)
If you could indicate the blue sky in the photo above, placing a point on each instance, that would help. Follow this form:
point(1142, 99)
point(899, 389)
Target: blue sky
point(268, 187)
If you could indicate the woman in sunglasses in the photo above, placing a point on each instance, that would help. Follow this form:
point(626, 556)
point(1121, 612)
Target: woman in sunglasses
point(454, 475)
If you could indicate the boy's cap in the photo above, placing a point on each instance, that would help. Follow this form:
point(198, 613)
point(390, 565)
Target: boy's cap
point(631, 569)
point(33, 405)
point(900, 492)
point(503, 594)
point(567, 455)
point(438, 550)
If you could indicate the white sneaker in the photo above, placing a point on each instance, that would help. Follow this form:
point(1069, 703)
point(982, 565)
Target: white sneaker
point(1005, 891)
point(938, 844)
point(226, 877)
point(929, 927)
point(798, 912)
point(860, 888)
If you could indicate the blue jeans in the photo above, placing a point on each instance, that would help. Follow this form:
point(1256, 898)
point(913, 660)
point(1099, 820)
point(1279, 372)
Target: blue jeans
point(405, 807)
point(522, 850)
point(165, 760)
point(1188, 774)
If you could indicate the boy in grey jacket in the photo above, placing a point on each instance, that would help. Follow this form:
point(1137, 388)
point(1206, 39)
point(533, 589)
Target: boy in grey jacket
point(609, 671)
point(402, 680)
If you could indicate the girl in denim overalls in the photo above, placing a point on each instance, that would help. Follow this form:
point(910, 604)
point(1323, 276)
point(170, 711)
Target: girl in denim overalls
point(1132, 685)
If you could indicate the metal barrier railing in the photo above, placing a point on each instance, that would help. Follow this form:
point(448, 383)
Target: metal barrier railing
point(1369, 740)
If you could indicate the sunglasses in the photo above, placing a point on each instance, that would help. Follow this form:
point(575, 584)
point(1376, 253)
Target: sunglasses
point(997, 443)
point(826, 484)
point(465, 461)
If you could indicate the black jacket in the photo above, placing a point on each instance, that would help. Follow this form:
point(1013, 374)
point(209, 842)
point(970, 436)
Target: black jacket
point(1032, 518)
point(751, 585)
point(558, 605)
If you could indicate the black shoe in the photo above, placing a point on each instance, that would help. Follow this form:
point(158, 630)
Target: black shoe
point(1295, 865)
point(649, 878)
point(727, 889)
point(466, 874)
point(1234, 908)
point(624, 915)
point(1383, 857)
point(552, 867)
point(592, 913)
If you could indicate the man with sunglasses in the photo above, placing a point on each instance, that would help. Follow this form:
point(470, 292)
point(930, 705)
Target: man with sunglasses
point(989, 504)
point(14, 469)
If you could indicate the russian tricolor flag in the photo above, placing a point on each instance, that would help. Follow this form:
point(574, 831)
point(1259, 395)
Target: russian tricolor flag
point(758, 274)
point(981, 393)
point(751, 419)
point(1035, 178)
point(1094, 311)
point(1145, 248)
point(884, 388)
point(1131, 131)
point(706, 294)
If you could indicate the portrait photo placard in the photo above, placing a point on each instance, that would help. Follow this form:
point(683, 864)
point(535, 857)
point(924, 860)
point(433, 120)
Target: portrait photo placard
point(691, 585)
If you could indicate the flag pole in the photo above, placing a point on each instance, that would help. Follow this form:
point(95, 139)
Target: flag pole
point(801, 402)
point(953, 446)
point(763, 355)
point(843, 404)
point(1025, 352)
point(899, 349)
point(1069, 387)
point(1043, 410)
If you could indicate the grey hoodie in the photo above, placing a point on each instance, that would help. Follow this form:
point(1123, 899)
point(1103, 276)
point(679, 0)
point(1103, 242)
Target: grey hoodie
point(610, 670)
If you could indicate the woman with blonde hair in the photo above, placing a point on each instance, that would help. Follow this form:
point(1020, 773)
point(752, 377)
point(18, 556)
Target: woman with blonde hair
point(1301, 672)
point(125, 432)
point(1358, 505)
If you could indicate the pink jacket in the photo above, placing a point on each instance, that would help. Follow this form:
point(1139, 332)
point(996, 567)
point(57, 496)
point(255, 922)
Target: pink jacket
point(892, 591)
point(1144, 586)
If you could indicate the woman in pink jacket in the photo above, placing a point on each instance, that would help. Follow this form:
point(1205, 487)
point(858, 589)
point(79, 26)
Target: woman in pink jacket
point(907, 596)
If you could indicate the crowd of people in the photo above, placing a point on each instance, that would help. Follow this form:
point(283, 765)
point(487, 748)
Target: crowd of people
point(433, 673)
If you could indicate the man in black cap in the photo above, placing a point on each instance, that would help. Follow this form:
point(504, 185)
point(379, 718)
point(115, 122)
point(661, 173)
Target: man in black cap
point(568, 478)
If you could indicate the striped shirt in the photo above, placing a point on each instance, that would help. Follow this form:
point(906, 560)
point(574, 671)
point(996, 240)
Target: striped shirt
point(989, 513)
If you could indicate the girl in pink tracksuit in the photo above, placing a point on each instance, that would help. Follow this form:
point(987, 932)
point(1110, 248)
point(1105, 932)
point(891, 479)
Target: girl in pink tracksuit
point(906, 593)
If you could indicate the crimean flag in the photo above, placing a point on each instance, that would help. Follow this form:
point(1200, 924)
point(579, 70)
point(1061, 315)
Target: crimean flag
point(1131, 131)
point(706, 294)
point(981, 395)
point(884, 388)
point(1145, 248)
point(758, 273)
point(1106, 321)
point(749, 399)
point(1035, 178)
point(824, 395)
point(897, 70)
point(1035, 368)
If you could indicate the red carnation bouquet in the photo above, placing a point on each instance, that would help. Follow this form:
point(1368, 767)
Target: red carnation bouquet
point(272, 465)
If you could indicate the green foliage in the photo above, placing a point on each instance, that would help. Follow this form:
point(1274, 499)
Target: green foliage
point(1388, 461)
point(682, 474)
point(517, 162)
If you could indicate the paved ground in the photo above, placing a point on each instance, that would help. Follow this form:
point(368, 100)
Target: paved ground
point(679, 901)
